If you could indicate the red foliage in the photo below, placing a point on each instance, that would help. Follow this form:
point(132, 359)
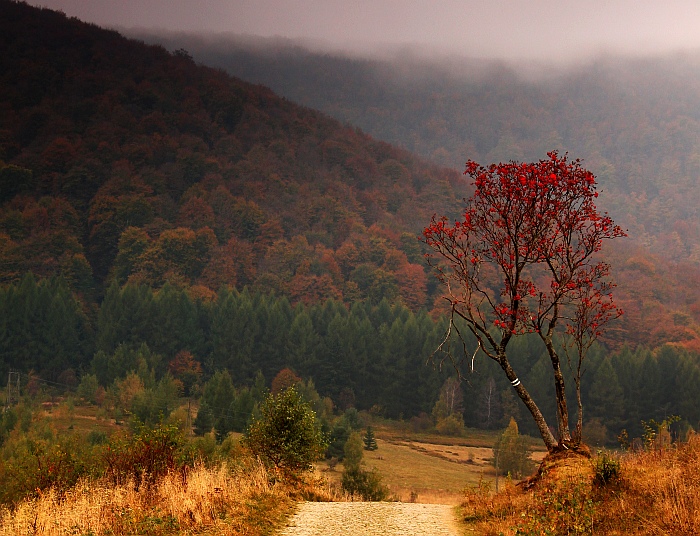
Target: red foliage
point(284, 379)
point(196, 213)
point(184, 363)
point(310, 289)
point(412, 285)
point(537, 225)
point(523, 259)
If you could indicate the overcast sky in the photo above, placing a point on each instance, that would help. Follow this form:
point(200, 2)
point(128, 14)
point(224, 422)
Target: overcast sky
point(512, 29)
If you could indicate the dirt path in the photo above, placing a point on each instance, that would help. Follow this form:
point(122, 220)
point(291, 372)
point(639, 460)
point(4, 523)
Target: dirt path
point(362, 518)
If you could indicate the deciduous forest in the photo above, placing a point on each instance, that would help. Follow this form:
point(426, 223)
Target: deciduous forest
point(633, 121)
point(162, 221)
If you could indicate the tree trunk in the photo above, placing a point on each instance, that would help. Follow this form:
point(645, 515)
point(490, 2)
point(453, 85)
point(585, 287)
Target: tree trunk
point(562, 409)
point(578, 433)
point(549, 441)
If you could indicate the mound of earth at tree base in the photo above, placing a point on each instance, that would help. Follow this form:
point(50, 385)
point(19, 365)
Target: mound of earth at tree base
point(563, 458)
point(654, 491)
point(560, 495)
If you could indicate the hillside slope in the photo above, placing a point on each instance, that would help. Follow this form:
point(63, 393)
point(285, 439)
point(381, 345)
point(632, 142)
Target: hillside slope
point(124, 162)
point(634, 122)
point(121, 161)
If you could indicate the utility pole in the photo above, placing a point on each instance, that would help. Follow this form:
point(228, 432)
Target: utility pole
point(12, 389)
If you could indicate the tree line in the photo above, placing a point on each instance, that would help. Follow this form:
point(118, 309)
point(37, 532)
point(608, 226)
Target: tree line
point(365, 356)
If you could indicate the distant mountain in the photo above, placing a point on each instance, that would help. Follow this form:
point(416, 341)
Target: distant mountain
point(635, 122)
point(124, 162)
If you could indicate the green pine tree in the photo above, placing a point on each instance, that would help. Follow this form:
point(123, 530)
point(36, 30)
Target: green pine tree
point(369, 441)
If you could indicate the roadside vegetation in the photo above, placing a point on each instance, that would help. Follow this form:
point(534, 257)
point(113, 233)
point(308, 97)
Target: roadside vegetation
point(652, 491)
point(67, 470)
point(155, 480)
point(223, 499)
point(67, 464)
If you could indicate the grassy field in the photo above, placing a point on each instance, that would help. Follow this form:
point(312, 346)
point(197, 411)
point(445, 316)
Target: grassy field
point(80, 419)
point(435, 468)
point(430, 467)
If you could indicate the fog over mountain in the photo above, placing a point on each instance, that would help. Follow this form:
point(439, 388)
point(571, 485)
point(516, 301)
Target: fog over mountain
point(550, 30)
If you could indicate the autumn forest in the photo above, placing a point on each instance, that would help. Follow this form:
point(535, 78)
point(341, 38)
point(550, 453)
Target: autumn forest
point(163, 221)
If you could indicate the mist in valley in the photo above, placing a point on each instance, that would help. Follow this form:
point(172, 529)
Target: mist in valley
point(634, 121)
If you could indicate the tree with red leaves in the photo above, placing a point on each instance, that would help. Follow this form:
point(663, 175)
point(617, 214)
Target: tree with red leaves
point(523, 259)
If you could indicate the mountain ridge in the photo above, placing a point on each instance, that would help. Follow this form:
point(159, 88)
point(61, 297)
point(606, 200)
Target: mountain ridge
point(166, 168)
point(123, 162)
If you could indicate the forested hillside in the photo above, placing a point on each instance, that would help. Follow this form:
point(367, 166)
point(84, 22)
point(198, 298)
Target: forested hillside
point(161, 221)
point(124, 162)
point(144, 346)
point(635, 122)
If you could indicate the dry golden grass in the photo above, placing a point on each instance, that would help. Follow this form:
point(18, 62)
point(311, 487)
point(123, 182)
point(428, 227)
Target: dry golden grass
point(219, 501)
point(663, 489)
point(82, 419)
point(414, 468)
point(473, 437)
point(658, 493)
point(433, 473)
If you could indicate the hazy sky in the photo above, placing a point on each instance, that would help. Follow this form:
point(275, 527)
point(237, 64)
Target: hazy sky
point(541, 29)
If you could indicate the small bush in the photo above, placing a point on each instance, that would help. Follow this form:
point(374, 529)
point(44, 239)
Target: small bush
point(607, 469)
point(40, 460)
point(352, 452)
point(510, 453)
point(366, 484)
point(338, 437)
point(285, 435)
point(422, 422)
point(566, 510)
point(452, 425)
point(96, 437)
point(144, 457)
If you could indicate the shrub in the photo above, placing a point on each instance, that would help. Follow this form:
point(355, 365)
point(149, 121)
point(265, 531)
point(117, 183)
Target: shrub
point(41, 460)
point(452, 425)
point(356, 480)
point(510, 453)
point(87, 390)
point(143, 457)
point(367, 484)
point(353, 451)
point(338, 437)
point(8, 420)
point(96, 437)
point(595, 433)
point(607, 469)
point(285, 435)
point(421, 422)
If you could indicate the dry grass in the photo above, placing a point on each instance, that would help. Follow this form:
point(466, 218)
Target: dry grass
point(432, 473)
point(219, 501)
point(416, 469)
point(473, 437)
point(658, 493)
point(663, 489)
point(82, 419)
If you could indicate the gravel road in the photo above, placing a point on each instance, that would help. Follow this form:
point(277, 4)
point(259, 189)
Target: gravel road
point(362, 518)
